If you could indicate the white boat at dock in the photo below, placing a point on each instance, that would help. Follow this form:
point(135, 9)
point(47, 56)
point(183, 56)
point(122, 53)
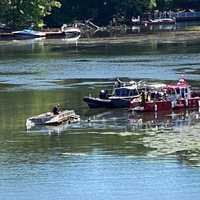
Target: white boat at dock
point(28, 33)
point(71, 33)
point(162, 21)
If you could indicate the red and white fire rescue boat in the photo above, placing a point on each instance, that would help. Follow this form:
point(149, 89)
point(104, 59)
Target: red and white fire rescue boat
point(169, 97)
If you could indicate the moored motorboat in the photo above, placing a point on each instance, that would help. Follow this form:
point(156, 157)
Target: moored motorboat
point(162, 21)
point(135, 21)
point(50, 118)
point(28, 33)
point(71, 33)
point(120, 97)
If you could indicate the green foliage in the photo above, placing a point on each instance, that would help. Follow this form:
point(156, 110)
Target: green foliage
point(178, 4)
point(101, 11)
point(17, 13)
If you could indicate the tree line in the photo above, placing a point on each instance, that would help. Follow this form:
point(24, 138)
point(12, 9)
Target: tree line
point(21, 13)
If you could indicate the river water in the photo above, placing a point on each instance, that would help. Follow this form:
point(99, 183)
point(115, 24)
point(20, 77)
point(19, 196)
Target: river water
point(109, 154)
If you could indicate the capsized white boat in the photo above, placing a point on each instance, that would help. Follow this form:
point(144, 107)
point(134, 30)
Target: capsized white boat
point(29, 33)
point(51, 119)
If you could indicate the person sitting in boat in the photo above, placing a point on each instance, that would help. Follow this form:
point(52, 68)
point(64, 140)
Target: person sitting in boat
point(56, 109)
point(103, 94)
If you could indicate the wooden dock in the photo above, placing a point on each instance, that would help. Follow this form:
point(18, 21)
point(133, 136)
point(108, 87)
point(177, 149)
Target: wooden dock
point(56, 34)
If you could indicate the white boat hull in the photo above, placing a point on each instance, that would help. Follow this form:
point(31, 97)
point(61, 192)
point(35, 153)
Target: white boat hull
point(50, 119)
point(26, 33)
point(72, 33)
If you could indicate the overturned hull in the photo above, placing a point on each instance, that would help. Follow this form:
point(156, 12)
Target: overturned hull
point(50, 119)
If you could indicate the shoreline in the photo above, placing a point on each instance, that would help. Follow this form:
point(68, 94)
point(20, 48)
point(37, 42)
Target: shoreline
point(176, 35)
point(172, 36)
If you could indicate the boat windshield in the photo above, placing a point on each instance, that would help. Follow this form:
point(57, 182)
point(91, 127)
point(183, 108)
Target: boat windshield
point(123, 92)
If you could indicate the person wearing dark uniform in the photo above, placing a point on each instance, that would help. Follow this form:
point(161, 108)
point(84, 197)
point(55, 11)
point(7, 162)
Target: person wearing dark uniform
point(56, 109)
point(143, 97)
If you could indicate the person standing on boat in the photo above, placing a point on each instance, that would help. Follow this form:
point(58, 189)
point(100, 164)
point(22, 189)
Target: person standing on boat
point(56, 109)
point(143, 97)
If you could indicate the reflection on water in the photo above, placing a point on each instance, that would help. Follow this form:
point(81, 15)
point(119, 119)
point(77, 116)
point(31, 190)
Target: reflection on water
point(180, 26)
point(45, 64)
point(52, 129)
point(161, 133)
point(172, 134)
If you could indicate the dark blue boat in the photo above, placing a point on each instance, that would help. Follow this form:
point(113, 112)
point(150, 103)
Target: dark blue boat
point(119, 99)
